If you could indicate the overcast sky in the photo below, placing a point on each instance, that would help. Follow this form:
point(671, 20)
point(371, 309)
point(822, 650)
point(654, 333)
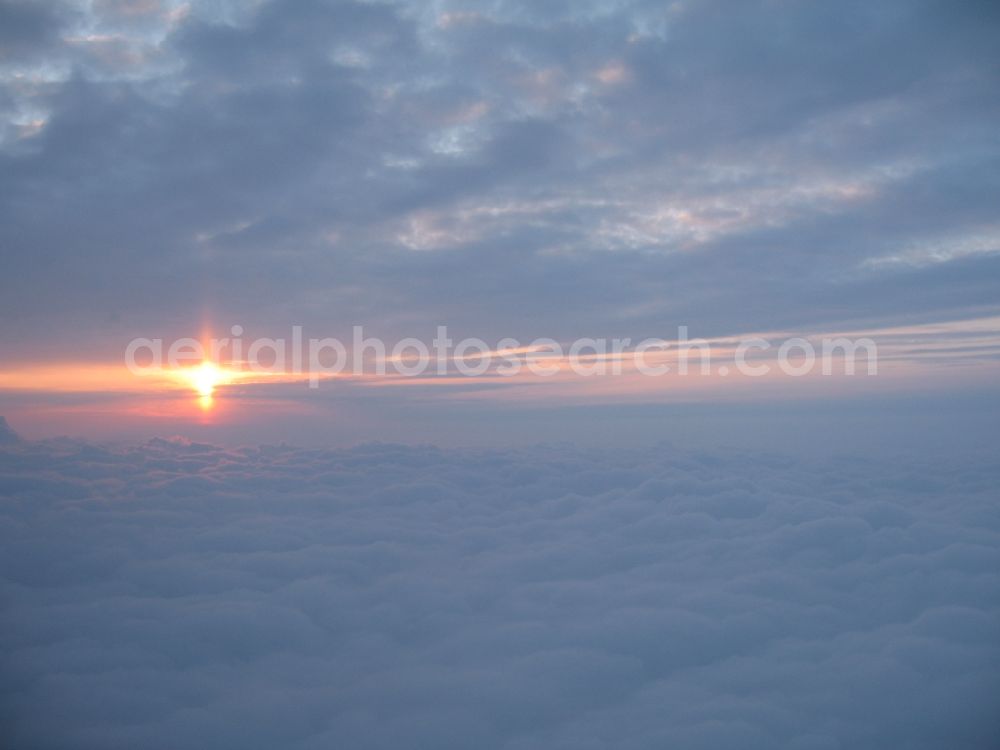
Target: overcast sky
point(522, 169)
point(561, 169)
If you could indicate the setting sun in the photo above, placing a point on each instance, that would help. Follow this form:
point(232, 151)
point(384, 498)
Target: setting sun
point(205, 377)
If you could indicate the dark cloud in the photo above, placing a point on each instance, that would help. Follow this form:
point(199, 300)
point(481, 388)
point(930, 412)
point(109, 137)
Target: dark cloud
point(7, 435)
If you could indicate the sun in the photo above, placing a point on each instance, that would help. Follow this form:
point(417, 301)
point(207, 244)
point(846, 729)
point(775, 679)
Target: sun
point(204, 378)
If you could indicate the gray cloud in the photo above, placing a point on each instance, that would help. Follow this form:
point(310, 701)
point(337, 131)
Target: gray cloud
point(503, 166)
point(27, 29)
point(180, 593)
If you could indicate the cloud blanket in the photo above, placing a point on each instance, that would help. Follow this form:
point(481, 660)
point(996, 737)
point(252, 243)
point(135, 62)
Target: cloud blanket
point(175, 594)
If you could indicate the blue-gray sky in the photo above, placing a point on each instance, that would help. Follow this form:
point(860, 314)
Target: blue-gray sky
point(520, 169)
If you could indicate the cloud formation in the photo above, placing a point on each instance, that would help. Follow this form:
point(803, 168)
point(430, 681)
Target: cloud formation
point(177, 594)
point(501, 166)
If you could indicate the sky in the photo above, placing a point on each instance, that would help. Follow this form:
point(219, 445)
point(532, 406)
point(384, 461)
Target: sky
point(704, 452)
point(523, 170)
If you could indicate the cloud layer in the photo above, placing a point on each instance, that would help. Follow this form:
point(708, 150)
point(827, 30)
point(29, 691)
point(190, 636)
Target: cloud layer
point(179, 594)
point(514, 168)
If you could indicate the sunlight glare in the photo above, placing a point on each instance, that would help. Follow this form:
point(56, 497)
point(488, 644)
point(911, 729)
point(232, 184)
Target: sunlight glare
point(204, 378)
